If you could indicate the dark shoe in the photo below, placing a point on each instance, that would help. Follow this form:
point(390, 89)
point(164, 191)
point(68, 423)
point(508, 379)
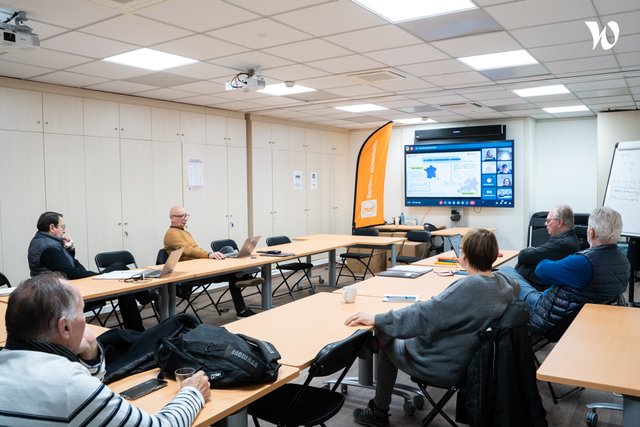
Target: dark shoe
point(245, 313)
point(252, 281)
point(371, 416)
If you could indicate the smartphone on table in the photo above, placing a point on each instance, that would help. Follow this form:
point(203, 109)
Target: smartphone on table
point(142, 389)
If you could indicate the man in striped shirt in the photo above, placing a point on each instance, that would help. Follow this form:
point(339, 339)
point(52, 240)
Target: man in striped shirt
point(51, 367)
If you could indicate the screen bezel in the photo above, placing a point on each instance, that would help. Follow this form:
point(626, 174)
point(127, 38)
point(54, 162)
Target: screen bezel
point(485, 199)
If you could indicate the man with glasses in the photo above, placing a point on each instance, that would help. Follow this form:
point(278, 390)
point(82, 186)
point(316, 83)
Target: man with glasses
point(177, 237)
point(52, 250)
point(562, 242)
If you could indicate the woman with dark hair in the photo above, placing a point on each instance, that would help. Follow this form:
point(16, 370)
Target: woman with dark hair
point(434, 340)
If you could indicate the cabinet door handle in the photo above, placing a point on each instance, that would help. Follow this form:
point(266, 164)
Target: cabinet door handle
point(126, 234)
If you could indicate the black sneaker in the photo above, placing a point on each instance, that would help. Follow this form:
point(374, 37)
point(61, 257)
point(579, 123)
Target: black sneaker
point(371, 416)
point(245, 313)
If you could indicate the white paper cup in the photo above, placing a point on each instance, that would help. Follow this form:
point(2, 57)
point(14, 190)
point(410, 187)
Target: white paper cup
point(349, 293)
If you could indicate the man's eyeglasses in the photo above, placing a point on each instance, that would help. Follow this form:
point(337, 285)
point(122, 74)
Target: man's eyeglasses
point(63, 226)
point(183, 216)
point(548, 220)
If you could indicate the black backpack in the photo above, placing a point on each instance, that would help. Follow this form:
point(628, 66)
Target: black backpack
point(228, 360)
point(129, 352)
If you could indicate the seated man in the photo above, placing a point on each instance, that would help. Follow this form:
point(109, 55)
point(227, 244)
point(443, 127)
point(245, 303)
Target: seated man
point(51, 367)
point(596, 275)
point(434, 340)
point(562, 242)
point(52, 250)
point(177, 237)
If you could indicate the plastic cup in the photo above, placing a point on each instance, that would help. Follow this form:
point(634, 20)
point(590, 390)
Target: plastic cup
point(182, 374)
point(349, 293)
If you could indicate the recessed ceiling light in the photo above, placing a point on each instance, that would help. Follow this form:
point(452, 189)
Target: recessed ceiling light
point(361, 108)
point(414, 121)
point(541, 91)
point(408, 10)
point(282, 89)
point(150, 59)
point(489, 61)
point(568, 109)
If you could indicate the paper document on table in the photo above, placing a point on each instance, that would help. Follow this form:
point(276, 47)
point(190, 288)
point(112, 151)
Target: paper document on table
point(6, 291)
point(400, 298)
point(412, 268)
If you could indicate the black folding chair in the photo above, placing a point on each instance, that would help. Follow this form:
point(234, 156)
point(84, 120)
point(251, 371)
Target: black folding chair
point(418, 236)
point(249, 275)
point(360, 257)
point(304, 405)
point(292, 268)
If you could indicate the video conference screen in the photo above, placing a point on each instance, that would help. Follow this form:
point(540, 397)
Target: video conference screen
point(460, 174)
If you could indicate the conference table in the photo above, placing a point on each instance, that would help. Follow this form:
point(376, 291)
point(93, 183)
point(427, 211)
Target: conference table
point(600, 351)
point(223, 403)
point(505, 256)
point(425, 287)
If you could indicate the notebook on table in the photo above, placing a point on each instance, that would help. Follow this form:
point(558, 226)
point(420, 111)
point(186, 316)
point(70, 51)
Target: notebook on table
point(246, 249)
point(149, 273)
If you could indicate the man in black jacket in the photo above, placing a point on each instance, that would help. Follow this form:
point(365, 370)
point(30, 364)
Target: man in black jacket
point(562, 243)
point(52, 250)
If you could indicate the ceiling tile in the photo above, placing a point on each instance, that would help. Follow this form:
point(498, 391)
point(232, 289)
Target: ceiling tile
point(160, 79)
point(308, 50)
point(164, 93)
point(44, 58)
point(293, 72)
point(273, 6)
point(378, 38)
point(52, 12)
point(590, 94)
point(356, 91)
point(204, 70)
point(66, 78)
point(346, 64)
point(566, 51)
point(458, 79)
point(431, 68)
point(629, 59)
point(552, 34)
point(87, 45)
point(527, 13)
point(246, 60)
point(596, 85)
point(407, 55)
point(400, 85)
point(119, 86)
point(199, 87)
point(627, 43)
point(108, 70)
point(498, 41)
point(604, 62)
point(259, 34)
point(144, 31)
point(605, 7)
point(452, 25)
point(510, 73)
point(200, 47)
point(328, 82)
point(197, 15)
point(21, 71)
point(343, 15)
point(629, 22)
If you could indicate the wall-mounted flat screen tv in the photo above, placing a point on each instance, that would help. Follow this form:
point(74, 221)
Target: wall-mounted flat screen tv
point(460, 174)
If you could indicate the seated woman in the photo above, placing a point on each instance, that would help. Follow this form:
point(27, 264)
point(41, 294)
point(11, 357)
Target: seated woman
point(434, 340)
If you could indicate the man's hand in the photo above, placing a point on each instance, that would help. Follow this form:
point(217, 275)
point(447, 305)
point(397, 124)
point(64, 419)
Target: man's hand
point(199, 381)
point(359, 319)
point(88, 349)
point(216, 255)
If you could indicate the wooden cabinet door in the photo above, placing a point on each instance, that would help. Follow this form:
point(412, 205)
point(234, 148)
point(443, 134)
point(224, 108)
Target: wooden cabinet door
point(20, 109)
point(262, 194)
point(238, 208)
point(135, 121)
point(62, 114)
point(101, 118)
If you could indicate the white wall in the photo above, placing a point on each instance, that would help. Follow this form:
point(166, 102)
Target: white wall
point(566, 162)
point(555, 162)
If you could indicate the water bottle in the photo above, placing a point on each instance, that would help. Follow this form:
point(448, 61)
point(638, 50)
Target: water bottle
point(402, 219)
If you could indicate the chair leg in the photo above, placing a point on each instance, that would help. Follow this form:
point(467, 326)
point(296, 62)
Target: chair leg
point(286, 283)
point(344, 264)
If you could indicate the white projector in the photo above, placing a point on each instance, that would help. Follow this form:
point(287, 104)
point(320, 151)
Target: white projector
point(17, 39)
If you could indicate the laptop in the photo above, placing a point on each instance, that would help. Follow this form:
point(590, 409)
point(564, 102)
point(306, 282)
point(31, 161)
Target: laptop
point(455, 244)
point(149, 273)
point(246, 249)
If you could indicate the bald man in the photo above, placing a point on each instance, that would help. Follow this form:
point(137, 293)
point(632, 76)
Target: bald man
point(178, 237)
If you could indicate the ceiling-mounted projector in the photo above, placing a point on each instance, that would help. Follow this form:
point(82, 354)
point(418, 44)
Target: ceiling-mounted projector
point(19, 35)
point(249, 81)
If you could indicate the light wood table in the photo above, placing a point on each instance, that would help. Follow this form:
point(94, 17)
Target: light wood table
point(601, 351)
point(507, 255)
point(301, 328)
point(92, 289)
point(404, 228)
point(425, 286)
point(222, 404)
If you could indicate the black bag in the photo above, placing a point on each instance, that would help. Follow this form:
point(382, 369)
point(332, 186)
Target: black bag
point(129, 352)
point(228, 360)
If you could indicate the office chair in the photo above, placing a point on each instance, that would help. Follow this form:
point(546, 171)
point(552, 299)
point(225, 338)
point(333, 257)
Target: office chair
point(292, 267)
point(437, 242)
point(305, 405)
point(249, 277)
point(538, 234)
point(359, 256)
point(4, 281)
point(105, 260)
point(415, 236)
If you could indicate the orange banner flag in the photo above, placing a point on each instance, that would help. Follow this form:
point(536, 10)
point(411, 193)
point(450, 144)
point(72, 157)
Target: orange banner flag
point(368, 207)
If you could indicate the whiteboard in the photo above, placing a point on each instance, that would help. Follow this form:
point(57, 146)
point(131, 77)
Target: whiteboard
point(623, 187)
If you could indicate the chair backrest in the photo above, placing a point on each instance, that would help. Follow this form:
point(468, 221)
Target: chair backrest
point(105, 259)
point(581, 232)
point(366, 231)
point(339, 355)
point(537, 229)
point(4, 281)
point(277, 240)
point(418, 236)
point(162, 257)
point(217, 245)
point(430, 227)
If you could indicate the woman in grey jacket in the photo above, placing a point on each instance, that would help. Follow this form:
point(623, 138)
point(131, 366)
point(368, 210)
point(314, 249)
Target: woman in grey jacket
point(434, 340)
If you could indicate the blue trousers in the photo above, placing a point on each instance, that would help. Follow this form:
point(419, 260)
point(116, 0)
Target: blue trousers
point(528, 293)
